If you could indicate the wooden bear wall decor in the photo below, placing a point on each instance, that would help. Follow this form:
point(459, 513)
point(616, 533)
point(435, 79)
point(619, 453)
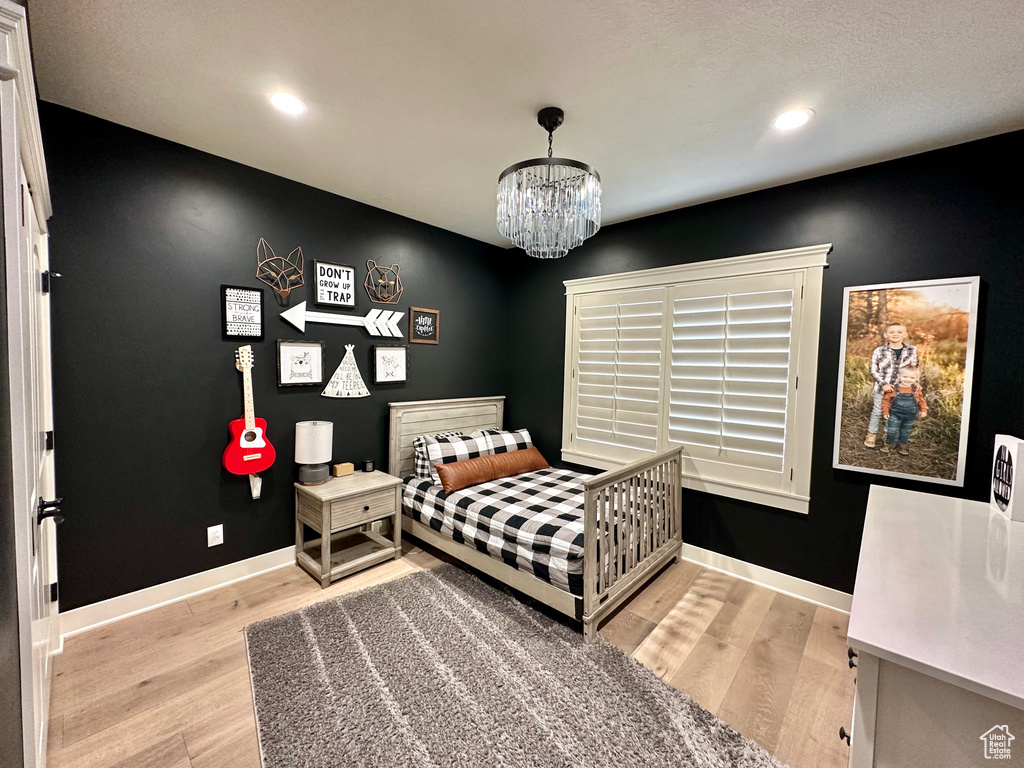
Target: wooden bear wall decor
point(280, 273)
point(383, 285)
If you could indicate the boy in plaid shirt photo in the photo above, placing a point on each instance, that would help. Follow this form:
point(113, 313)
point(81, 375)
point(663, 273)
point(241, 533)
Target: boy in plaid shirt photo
point(886, 362)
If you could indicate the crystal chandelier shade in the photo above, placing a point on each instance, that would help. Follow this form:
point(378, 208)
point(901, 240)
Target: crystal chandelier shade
point(549, 205)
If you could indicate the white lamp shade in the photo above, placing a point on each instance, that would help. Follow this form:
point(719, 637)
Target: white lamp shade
point(313, 442)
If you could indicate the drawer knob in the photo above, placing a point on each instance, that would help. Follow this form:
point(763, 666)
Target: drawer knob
point(366, 508)
point(850, 653)
point(844, 736)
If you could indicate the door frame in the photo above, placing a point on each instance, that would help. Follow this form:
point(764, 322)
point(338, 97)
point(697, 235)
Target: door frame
point(21, 141)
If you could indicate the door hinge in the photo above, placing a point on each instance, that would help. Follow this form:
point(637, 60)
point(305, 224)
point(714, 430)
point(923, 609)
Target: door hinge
point(801, 291)
point(48, 280)
point(797, 385)
point(791, 475)
point(53, 592)
point(49, 439)
point(22, 205)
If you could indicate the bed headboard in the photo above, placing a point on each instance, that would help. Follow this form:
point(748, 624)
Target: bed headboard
point(426, 417)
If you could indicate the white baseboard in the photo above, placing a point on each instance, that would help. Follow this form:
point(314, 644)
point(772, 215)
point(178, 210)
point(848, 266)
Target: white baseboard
point(765, 577)
point(88, 617)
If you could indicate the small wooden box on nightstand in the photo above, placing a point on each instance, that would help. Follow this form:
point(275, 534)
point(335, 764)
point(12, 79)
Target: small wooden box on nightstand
point(342, 511)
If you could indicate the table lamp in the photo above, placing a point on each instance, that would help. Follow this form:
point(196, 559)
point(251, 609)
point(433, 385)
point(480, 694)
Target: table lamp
point(313, 442)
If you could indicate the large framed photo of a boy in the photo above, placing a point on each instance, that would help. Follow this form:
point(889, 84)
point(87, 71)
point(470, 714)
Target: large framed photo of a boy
point(905, 371)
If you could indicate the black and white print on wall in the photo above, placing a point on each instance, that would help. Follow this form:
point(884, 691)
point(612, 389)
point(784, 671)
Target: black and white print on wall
point(383, 284)
point(335, 284)
point(346, 381)
point(905, 375)
point(424, 325)
point(241, 312)
point(1007, 459)
point(390, 364)
point(299, 362)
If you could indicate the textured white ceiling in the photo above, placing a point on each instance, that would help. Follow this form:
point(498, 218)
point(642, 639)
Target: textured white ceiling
point(417, 106)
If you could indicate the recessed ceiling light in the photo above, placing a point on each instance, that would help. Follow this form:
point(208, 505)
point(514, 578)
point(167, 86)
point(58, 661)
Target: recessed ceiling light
point(787, 121)
point(288, 103)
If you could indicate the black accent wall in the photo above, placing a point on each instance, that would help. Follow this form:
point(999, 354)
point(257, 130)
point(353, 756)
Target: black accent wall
point(947, 213)
point(145, 231)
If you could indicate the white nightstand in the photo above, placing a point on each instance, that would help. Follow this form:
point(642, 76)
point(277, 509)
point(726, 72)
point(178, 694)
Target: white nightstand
point(345, 508)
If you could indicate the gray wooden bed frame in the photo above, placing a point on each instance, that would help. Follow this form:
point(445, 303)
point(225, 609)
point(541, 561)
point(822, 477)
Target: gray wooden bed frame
point(648, 492)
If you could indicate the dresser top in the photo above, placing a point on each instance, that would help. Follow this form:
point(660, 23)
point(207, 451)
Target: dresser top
point(349, 485)
point(940, 589)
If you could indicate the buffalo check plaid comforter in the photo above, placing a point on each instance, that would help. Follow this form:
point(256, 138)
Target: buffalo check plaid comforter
point(533, 521)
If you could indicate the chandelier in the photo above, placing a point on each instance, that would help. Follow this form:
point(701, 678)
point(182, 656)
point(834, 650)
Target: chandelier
point(549, 205)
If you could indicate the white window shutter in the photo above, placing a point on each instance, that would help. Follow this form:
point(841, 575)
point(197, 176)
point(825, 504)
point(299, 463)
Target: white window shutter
point(730, 376)
point(707, 356)
point(618, 371)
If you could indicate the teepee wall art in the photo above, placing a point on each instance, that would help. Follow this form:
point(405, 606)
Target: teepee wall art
point(346, 381)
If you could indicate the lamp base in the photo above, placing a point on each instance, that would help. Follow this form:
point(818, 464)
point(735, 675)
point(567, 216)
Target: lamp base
point(313, 474)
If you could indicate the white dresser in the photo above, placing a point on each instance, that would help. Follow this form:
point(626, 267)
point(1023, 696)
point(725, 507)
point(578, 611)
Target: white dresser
point(938, 623)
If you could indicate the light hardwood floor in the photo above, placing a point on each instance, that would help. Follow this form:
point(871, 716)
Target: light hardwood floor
point(170, 688)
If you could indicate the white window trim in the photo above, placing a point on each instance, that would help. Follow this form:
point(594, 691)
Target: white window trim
point(812, 260)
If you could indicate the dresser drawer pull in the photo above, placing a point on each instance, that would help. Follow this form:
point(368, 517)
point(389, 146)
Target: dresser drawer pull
point(366, 508)
point(844, 736)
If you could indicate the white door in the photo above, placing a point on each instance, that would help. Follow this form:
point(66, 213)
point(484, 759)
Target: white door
point(28, 315)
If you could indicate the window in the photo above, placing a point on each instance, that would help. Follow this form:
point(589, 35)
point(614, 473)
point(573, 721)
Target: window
point(718, 357)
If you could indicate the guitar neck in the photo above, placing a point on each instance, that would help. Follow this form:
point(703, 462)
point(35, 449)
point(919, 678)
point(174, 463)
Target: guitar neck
point(250, 417)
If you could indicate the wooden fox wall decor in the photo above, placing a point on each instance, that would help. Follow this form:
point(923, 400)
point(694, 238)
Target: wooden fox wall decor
point(282, 273)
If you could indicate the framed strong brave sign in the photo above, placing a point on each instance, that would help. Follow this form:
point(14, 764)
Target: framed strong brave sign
point(424, 325)
point(335, 284)
point(241, 312)
point(905, 375)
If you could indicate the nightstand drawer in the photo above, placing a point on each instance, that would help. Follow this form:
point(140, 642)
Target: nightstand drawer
point(368, 506)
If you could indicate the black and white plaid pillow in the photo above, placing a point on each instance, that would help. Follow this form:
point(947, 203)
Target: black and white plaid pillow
point(447, 450)
point(422, 463)
point(501, 441)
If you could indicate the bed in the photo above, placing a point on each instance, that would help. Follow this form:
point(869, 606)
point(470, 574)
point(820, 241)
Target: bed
point(581, 544)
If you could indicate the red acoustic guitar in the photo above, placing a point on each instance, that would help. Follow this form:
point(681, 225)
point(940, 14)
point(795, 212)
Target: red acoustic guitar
point(249, 451)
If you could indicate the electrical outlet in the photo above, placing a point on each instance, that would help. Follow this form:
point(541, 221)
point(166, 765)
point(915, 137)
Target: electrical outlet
point(215, 535)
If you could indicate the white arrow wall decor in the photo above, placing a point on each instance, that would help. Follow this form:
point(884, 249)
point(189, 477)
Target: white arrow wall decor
point(377, 322)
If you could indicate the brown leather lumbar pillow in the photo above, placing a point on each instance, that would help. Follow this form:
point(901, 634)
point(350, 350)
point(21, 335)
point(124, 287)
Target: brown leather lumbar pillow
point(462, 474)
point(517, 462)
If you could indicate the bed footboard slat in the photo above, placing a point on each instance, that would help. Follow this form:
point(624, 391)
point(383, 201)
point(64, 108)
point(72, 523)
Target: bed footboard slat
point(631, 528)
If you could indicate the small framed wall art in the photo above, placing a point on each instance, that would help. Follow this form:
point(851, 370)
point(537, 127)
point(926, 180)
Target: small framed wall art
point(424, 325)
point(241, 311)
point(390, 364)
point(335, 284)
point(300, 363)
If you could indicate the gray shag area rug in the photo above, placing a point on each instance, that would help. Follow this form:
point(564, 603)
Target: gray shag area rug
point(441, 669)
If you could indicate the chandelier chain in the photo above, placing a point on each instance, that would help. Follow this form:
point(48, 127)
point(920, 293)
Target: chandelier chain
point(550, 136)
